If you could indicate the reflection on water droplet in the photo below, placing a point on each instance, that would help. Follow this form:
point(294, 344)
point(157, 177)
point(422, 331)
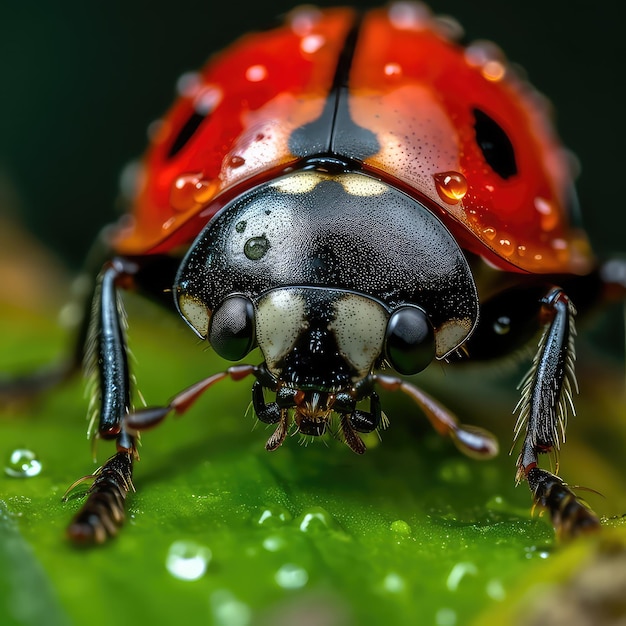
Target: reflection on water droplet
point(493, 70)
point(394, 583)
point(303, 19)
point(400, 527)
point(534, 552)
point(256, 247)
point(548, 213)
point(236, 161)
point(228, 611)
point(458, 572)
point(489, 232)
point(409, 15)
point(451, 186)
point(256, 73)
point(312, 43)
point(273, 516)
point(392, 69)
point(190, 191)
point(274, 543)
point(291, 576)
point(188, 84)
point(23, 463)
point(506, 245)
point(316, 519)
point(187, 560)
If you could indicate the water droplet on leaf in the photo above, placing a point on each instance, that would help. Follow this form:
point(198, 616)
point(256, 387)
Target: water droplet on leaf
point(316, 519)
point(291, 576)
point(187, 560)
point(273, 516)
point(23, 463)
point(400, 527)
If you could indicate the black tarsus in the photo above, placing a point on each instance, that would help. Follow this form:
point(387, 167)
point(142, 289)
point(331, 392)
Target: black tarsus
point(102, 514)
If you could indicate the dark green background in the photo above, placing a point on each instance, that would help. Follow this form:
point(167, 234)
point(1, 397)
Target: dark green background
point(80, 82)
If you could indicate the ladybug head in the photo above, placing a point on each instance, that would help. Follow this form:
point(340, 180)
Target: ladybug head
point(320, 347)
point(331, 277)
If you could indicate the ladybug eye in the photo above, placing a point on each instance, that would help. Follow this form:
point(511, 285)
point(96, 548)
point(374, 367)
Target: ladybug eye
point(495, 145)
point(186, 133)
point(232, 329)
point(409, 340)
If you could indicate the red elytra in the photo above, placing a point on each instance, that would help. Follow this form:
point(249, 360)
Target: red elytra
point(409, 84)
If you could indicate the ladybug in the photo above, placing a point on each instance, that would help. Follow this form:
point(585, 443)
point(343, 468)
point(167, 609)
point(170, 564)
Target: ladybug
point(357, 195)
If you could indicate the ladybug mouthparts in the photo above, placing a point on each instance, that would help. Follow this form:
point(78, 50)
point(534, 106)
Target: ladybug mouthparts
point(311, 412)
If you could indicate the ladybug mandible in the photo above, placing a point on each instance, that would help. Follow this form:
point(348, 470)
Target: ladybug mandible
point(351, 192)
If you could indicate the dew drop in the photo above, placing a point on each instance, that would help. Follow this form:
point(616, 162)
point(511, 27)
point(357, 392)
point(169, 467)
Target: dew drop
point(206, 100)
point(188, 84)
point(493, 70)
point(400, 527)
point(451, 186)
point(506, 245)
point(23, 463)
point(187, 560)
point(392, 69)
point(394, 583)
point(241, 226)
point(273, 543)
point(273, 516)
point(190, 191)
point(315, 519)
point(304, 19)
point(534, 552)
point(256, 247)
point(256, 73)
point(483, 53)
point(291, 576)
point(409, 15)
point(236, 161)
point(489, 233)
point(458, 573)
point(312, 43)
point(228, 610)
point(548, 215)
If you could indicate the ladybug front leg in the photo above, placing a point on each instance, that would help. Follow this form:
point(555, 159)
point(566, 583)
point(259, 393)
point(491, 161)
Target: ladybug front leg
point(106, 361)
point(546, 395)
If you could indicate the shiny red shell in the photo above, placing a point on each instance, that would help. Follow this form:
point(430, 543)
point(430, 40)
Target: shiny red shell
point(412, 86)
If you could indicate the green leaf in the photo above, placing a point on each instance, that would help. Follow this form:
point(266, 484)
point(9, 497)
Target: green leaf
point(222, 532)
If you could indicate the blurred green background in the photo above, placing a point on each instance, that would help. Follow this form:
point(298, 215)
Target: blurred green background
point(81, 81)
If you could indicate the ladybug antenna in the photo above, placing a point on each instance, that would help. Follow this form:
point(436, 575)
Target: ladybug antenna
point(473, 441)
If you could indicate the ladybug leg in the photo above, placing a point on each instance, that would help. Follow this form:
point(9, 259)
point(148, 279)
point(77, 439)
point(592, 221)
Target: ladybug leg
point(106, 363)
point(546, 395)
